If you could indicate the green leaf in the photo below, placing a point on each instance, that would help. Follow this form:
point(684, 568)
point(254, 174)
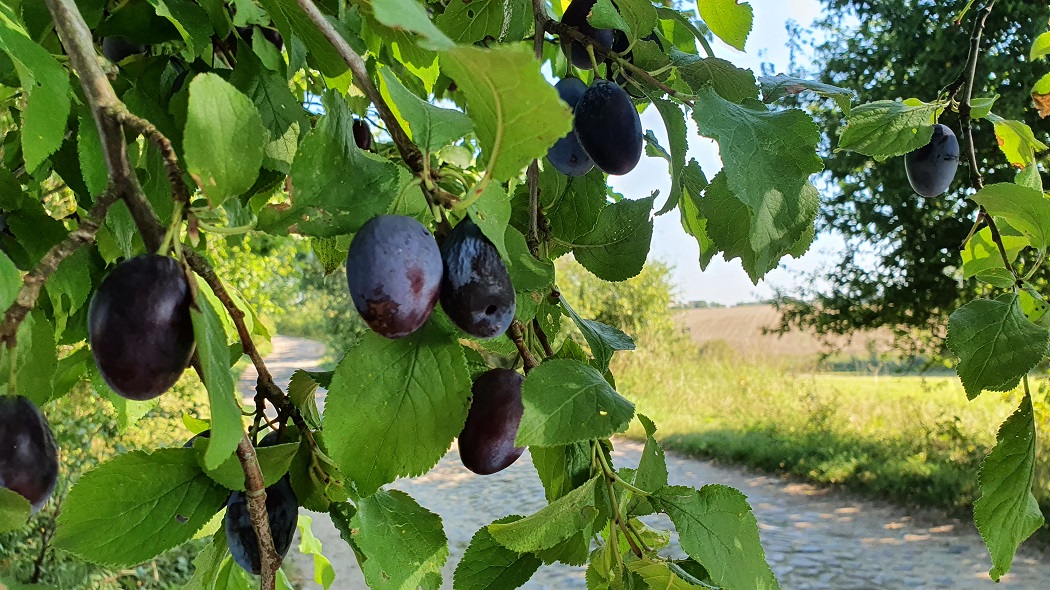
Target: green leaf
point(602, 339)
point(776, 87)
point(309, 544)
point(207, 563)
point(14, 511)
point(290, 18)
point(1023, 208)
point(728, 81)
point(429, 126)
point(658, 574)
point(772, 181)
point(38, 361)
point(410, 15)
point(1007, 512)
point(281, 114)
point(226, 426)
point(981, 107)
point(417, 392)
point(887, 128)
point(273, 460)
point(574, 209)
point(190, 20)
point(556, 522)
point(640, 16)
point(674, 123)
point(331, 252)
point(503, 87)
point(996, 344)
point(89, 150)
point(135, 506)
point(302, 390)
point(562, 469)
point(487, 565)
point(617, 247)
point(10, 281)
point(405, 543)
point(1016, 140)
point(328, 201)
point(716, 527)
point(224, 138)
point(470, 21)
point(527, 273)
point(997, 277)
point(46, 86)
point(982, 254)
point(603, 15)
point(1040, 47)
point(567, 401)
point(728, 19)
point(1029, 177)
point(491, 213)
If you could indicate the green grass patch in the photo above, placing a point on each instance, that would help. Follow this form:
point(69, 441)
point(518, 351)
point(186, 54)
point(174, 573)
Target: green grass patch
point(914, 440)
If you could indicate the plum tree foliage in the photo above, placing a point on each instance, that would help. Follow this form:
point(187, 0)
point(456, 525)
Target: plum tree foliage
point(257, 117)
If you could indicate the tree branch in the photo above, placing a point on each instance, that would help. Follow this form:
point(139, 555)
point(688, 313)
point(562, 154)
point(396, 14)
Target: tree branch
point(255, 492)
point(976, 179)
point(34, 281)
point(517, 335)
point(167, 152)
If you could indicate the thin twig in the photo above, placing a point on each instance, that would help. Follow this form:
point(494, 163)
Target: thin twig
point(171, 160)
point(255, 492)
point(34, 281)
point(976, 179)
point(542, 337)
point(517, 335)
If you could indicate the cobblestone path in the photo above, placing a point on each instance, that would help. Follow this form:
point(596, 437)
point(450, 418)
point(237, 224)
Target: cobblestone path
point(815, 538)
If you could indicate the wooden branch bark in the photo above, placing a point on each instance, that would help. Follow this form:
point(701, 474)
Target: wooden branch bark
point(110, 115)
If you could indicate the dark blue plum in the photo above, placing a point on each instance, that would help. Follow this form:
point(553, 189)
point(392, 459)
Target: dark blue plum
point(486, 444)
point(932, 167)
point(576, 16)
point(28, 454)
point(393, 270)
point(566, 155)
point(139, 326)
point(117, 49)
point(282, 508)
point(476, 291)
point(608, 127)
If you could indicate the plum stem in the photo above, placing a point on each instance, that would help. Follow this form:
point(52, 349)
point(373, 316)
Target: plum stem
point(517, 335)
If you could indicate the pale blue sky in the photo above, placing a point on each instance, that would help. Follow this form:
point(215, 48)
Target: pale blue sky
point(724, 282)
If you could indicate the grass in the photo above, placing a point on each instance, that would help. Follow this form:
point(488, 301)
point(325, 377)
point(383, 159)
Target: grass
point(914, 440)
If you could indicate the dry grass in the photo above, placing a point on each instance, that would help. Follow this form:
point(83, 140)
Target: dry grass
point(743, 330)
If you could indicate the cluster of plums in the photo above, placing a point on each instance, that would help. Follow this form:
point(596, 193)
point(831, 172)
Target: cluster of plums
point(606, 130)
point(932, 167)
point(396, 273)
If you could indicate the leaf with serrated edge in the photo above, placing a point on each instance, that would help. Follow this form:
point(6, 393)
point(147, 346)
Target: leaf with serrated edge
point(888, 128)
point(981, 252)
point(310, 545)
point(567, 401)
point(674, 124)
point(487, 565)
point(728, 81)
point(207, 563)
point(996, 344)
point(556, 522)
point(410, 15)
point(417, 391)
point(432, 127)
point(14, 510)
point(777, 87)
point(224, 138)
point(602, 339)
point(1024, 208)
point(46, 85)
point(226, 426)
point(405, 543)
point(617, 247)
point(273, 460)
point(290, 19)
point(716, 527)
point(136, 506)
point(768, 158)
point(1007, 512)
point(504, 88)
point(658, 574)
point(491, 213)
point(728, 19)
point(470, 21)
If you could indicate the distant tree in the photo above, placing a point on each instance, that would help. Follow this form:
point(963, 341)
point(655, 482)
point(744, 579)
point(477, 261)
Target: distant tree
point(899, 268)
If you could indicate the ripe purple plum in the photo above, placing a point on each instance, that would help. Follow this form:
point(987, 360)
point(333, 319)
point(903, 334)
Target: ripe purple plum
point(394, 272)
point(139, 326)
point(486, 444)
point(576, 16)
point(476, 291)
point(932, 167)
point(28, 453)
point(609, 128)
point(362, 134)
point(566, 155)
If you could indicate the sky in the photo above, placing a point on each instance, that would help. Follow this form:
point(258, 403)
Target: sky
point(725, 282)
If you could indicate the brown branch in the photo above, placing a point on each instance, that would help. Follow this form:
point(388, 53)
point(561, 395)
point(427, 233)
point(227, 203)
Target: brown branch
point(976, 178)
point(542, 337)
point(110, 115)
point(517, 335)
point(167, 151)
point(255, 492)
point(410, 152)
point(34, 281)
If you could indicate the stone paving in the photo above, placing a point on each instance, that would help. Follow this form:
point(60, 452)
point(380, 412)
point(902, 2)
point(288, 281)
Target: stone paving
point(815, 538)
